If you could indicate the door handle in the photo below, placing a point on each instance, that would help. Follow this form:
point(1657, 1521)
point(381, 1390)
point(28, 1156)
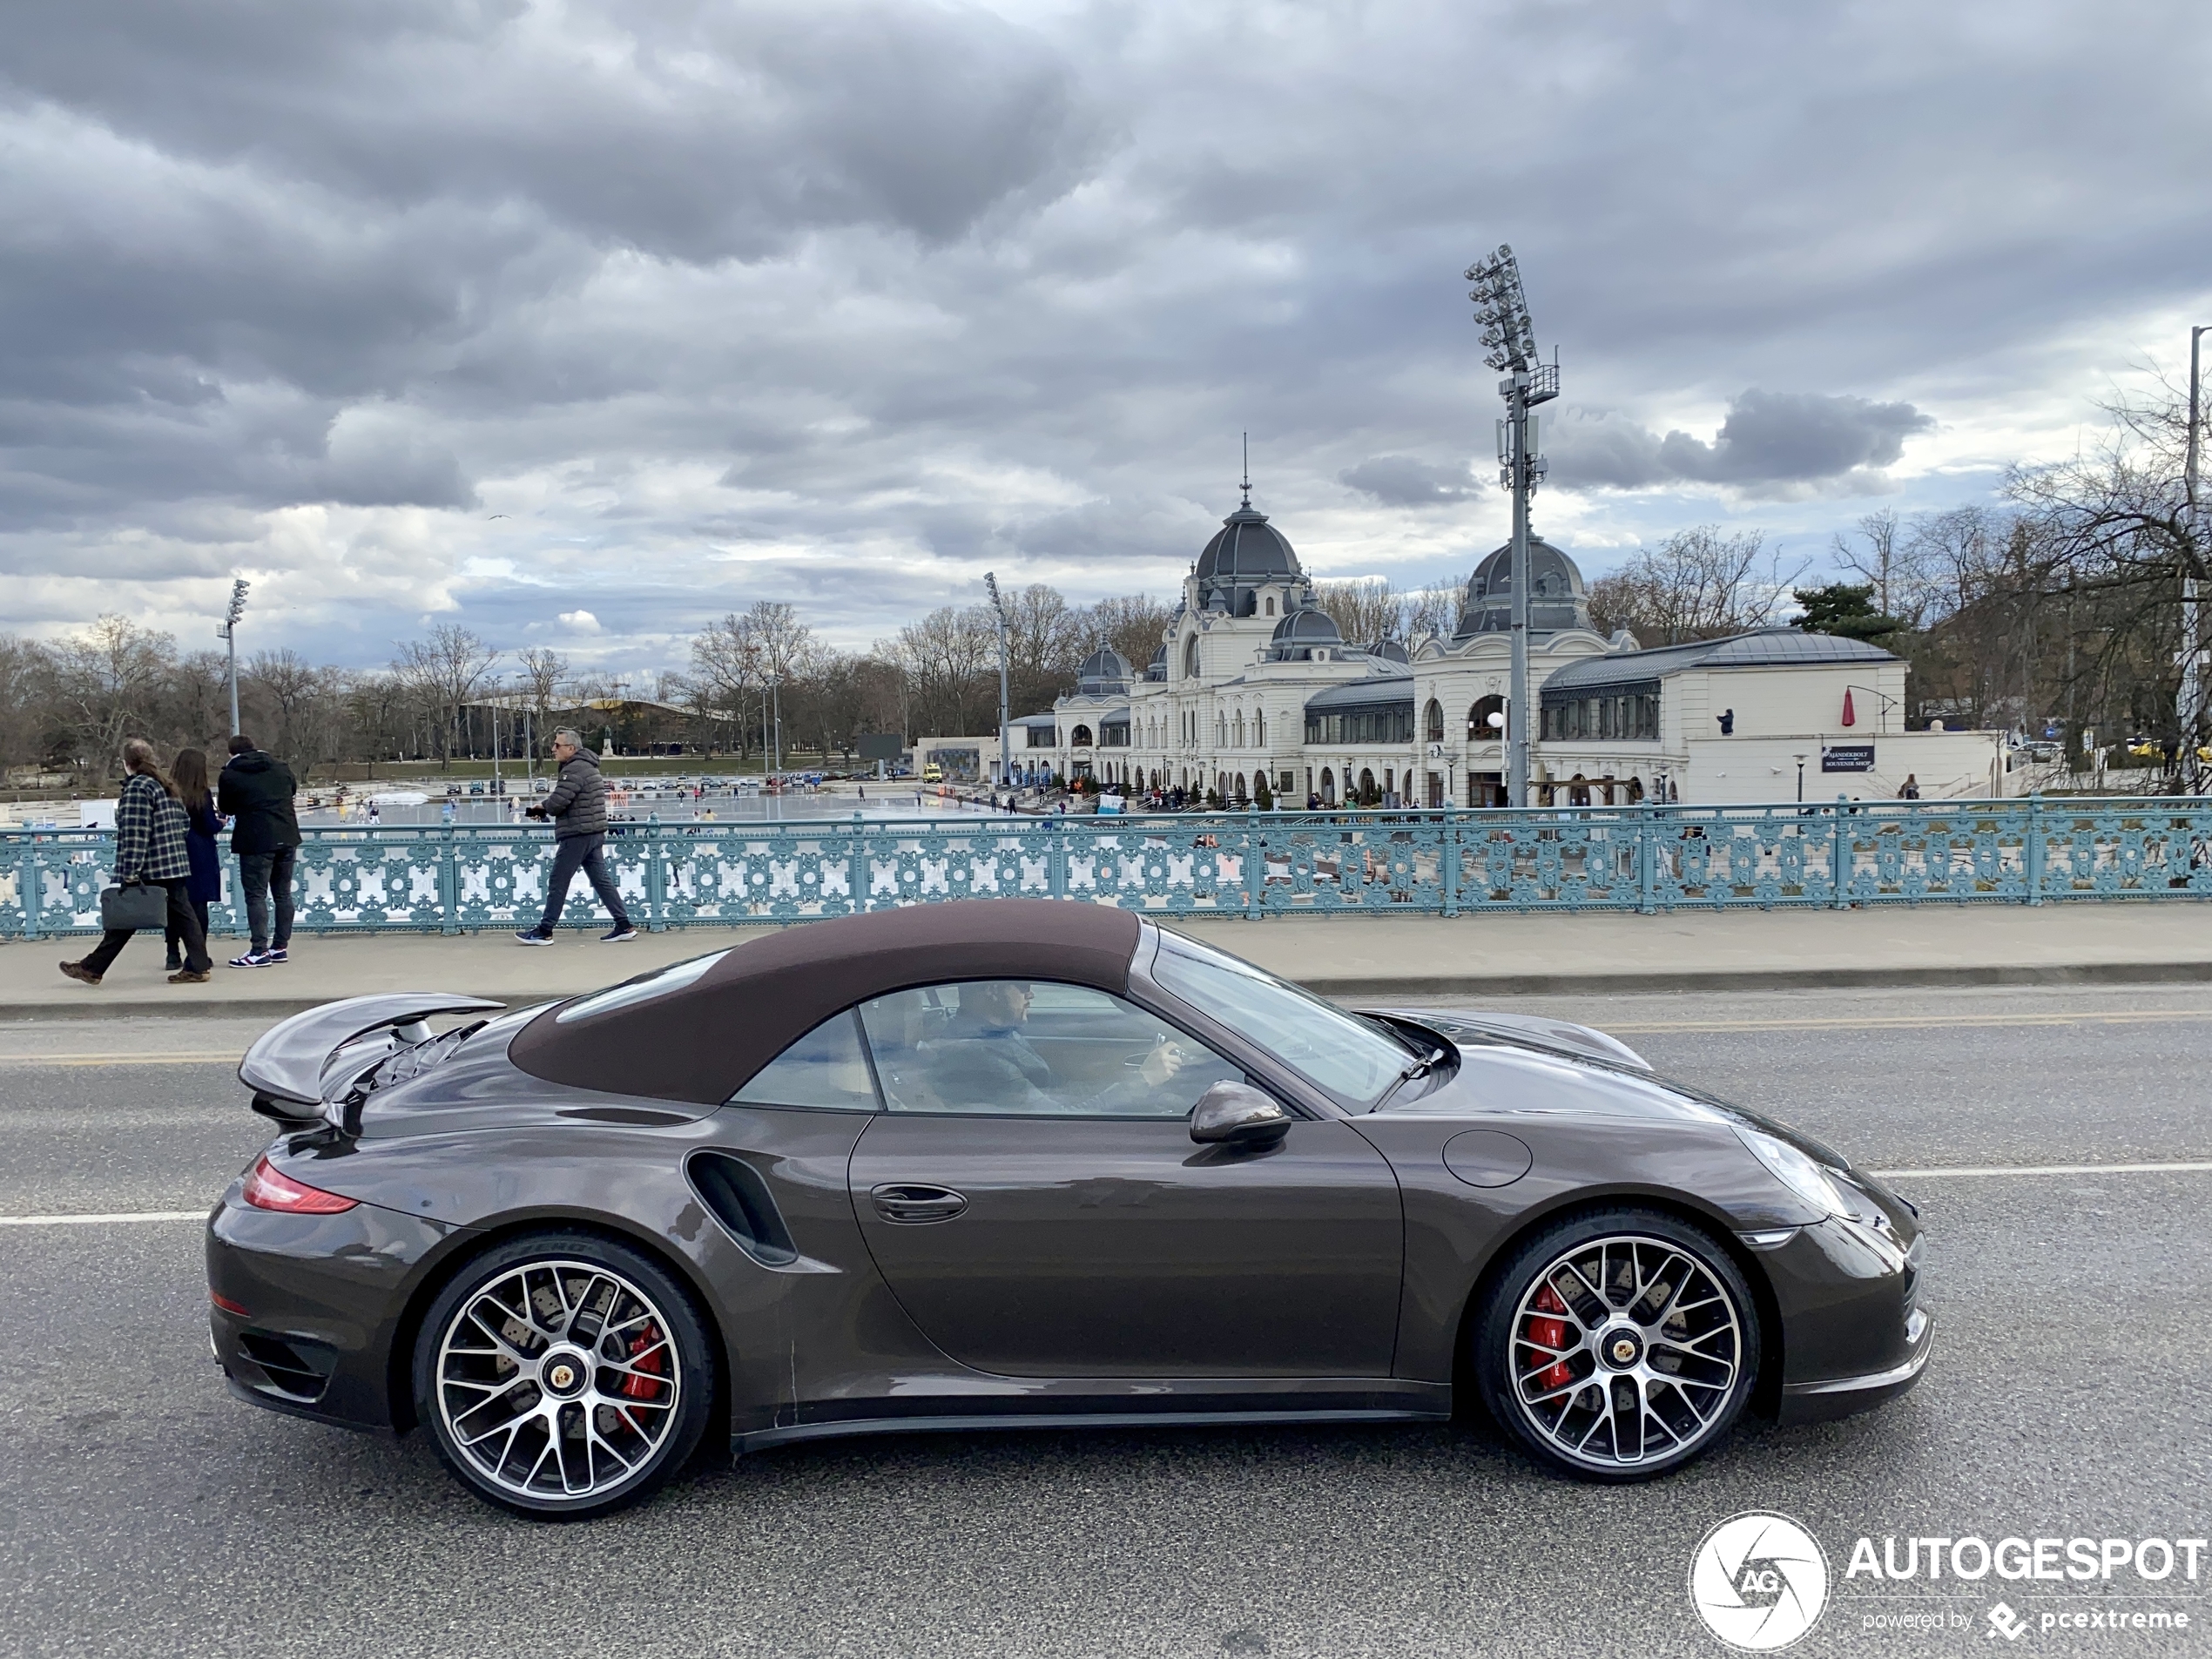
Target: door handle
point(916, 1201)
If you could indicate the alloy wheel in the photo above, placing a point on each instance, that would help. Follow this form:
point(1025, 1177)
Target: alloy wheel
point(1625, 1352)
point(558, 1380)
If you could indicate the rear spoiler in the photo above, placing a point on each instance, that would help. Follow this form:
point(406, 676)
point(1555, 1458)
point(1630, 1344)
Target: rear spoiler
point(288, 1062)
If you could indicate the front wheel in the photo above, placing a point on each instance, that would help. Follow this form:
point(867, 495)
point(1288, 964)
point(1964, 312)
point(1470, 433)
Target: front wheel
point(1618, 1345)
point(563, 1376)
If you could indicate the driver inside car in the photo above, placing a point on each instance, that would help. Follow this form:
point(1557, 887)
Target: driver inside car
point(985, 1059)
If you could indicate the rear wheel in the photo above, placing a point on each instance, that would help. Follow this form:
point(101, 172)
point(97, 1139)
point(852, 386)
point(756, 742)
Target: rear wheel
point(564, 1375)
point(1619, 1345)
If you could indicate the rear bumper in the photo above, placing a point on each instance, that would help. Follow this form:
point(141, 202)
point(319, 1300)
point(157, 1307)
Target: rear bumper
point(323, 1296)
point(1824, 1401)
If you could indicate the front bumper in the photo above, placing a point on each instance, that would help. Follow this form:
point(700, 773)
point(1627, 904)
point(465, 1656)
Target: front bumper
point(323, 1299)
point(1834, 1397)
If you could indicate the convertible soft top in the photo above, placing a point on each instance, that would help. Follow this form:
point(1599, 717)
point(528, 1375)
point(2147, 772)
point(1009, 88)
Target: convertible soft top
point(701, 1041)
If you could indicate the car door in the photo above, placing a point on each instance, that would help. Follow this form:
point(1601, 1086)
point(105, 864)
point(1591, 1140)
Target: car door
point(1033, 1197)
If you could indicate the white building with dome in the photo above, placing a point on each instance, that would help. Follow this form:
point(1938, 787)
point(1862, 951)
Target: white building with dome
point(1251, 680)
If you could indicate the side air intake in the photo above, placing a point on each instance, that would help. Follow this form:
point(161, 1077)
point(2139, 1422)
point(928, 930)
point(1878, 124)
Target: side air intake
point(740, 1199)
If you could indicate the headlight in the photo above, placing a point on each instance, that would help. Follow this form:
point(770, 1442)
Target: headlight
point(1796, 1171)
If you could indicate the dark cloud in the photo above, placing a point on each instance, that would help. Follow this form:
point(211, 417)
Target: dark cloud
point(1769, 439)
point(1400, 481)
point(846, 300)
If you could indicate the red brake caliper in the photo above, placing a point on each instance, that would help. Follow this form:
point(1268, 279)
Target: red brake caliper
point(1550, 1333)
point(655, 1362)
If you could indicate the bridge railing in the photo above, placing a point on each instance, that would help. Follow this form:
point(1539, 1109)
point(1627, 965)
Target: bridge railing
point(1452, 861)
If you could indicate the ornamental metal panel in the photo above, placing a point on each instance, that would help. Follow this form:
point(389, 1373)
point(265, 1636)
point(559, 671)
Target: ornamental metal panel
point(1450, 861)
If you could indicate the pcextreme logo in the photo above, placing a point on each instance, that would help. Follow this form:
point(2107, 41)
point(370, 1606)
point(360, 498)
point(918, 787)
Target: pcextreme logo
point(1759, 1582)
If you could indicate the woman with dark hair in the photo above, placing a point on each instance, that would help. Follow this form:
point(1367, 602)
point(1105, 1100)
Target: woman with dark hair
point(150, 830)
point(188, 771)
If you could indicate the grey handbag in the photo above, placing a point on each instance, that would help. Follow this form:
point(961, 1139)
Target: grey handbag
point(128, 909)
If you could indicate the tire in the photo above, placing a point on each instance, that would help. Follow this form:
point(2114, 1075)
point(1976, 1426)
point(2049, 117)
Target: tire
point(563, 1376)
point(1618, 1345)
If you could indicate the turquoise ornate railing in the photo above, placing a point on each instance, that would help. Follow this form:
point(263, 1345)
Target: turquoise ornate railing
point(1449, 862)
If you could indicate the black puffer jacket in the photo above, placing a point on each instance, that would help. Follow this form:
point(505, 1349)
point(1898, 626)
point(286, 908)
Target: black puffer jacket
point(578, 805)
point(256, 790)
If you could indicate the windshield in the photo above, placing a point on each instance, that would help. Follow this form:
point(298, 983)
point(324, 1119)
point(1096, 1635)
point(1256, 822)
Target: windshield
point(1351, 1058)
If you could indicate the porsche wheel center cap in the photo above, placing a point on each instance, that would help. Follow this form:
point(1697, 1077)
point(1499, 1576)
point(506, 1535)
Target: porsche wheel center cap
point(1621, 1349)
point(563, 1373)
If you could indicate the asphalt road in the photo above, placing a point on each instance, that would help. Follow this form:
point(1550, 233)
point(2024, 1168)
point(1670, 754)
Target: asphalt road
point(2071, 1395)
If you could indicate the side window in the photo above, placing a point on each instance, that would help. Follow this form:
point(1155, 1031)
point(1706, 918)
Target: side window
point(1011, 1047)
point(825, 1068)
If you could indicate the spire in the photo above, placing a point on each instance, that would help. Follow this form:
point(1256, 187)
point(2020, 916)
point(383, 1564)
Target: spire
point(1248, 470)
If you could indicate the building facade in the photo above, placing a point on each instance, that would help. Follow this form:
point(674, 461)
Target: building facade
point(1252, 682)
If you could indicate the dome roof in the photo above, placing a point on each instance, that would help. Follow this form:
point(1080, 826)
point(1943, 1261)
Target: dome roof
point(1297, 635)
point(1557, 598)
point(1390, 651)
point(1247, 549)
point(1158, 671)
point(1103, 672)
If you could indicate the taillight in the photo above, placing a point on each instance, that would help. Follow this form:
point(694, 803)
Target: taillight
point(268, 1189)
point(228, 1306)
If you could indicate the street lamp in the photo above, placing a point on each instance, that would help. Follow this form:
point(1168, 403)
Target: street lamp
point(1801, 779)
point(998, 609)
point(2191, 663)
point(1509, 344)
point(228, 634)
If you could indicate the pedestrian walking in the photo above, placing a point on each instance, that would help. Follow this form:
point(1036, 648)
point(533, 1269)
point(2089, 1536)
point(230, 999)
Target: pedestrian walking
point(255, 793)
point(188, 771)
point(150, 830)
point(577, 806)
point(1912, 789)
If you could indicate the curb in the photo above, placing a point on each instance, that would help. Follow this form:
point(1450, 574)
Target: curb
point(1685, 982)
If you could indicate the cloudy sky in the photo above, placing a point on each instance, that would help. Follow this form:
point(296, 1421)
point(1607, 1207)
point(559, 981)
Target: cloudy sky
point(581, 323)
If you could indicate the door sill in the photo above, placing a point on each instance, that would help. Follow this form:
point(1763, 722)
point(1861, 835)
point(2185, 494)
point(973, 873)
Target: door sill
point(759, 1439)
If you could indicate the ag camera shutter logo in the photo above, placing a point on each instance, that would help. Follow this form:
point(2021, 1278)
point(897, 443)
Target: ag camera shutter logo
point(1759, 1582)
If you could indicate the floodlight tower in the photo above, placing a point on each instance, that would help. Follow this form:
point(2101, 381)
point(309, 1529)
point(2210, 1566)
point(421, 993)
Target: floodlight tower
point(228, 633)
point(998, 609)
point(2191, 656)
point(1509, 344)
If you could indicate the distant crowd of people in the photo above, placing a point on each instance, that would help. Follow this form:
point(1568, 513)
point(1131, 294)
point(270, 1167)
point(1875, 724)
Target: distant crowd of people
point(169, 822)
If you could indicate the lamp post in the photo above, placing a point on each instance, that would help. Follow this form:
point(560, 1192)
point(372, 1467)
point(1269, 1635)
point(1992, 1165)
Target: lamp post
point(1510, 339)
point(229, 633)
point(2192, 687)
point(1801, 779)
point(998, 609)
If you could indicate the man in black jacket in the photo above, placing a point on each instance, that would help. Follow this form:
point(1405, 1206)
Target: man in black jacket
point(255, 792)
point(577, 806)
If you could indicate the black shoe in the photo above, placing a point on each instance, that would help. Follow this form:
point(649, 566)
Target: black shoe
point(619, 935)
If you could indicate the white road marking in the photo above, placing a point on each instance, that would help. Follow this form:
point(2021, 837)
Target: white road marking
point(2201, 1168)
point(118, 1059)
point(116, 1216)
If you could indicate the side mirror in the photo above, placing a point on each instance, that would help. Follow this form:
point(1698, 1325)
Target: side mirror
point(1233, 1114)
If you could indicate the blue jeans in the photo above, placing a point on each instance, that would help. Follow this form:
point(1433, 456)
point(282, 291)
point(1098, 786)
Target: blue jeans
point(262, 874)
point(580, 853)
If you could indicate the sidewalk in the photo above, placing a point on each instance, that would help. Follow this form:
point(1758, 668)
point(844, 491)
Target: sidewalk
point(1352, 956)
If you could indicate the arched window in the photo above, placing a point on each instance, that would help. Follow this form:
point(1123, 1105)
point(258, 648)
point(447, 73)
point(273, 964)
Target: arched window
point(1432, 722)
point(1190, 657)
point(1240, 728)
point(1081, 739)
point(1220, 731)
point(1479, 727)
point(1366, 782)
point(1259, 728)
point(1240, 787)
point(1271, 606)
point(1328, 787)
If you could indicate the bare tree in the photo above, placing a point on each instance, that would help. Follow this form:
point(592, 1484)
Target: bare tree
point(1364, 608)
point(542, 670)
point(1880, 549)
point(725, 672)
point(442, 672)
point(1695, 584)
point(949, 663)
point(1131, 624)
point(1435, 608)
point(107, 680)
